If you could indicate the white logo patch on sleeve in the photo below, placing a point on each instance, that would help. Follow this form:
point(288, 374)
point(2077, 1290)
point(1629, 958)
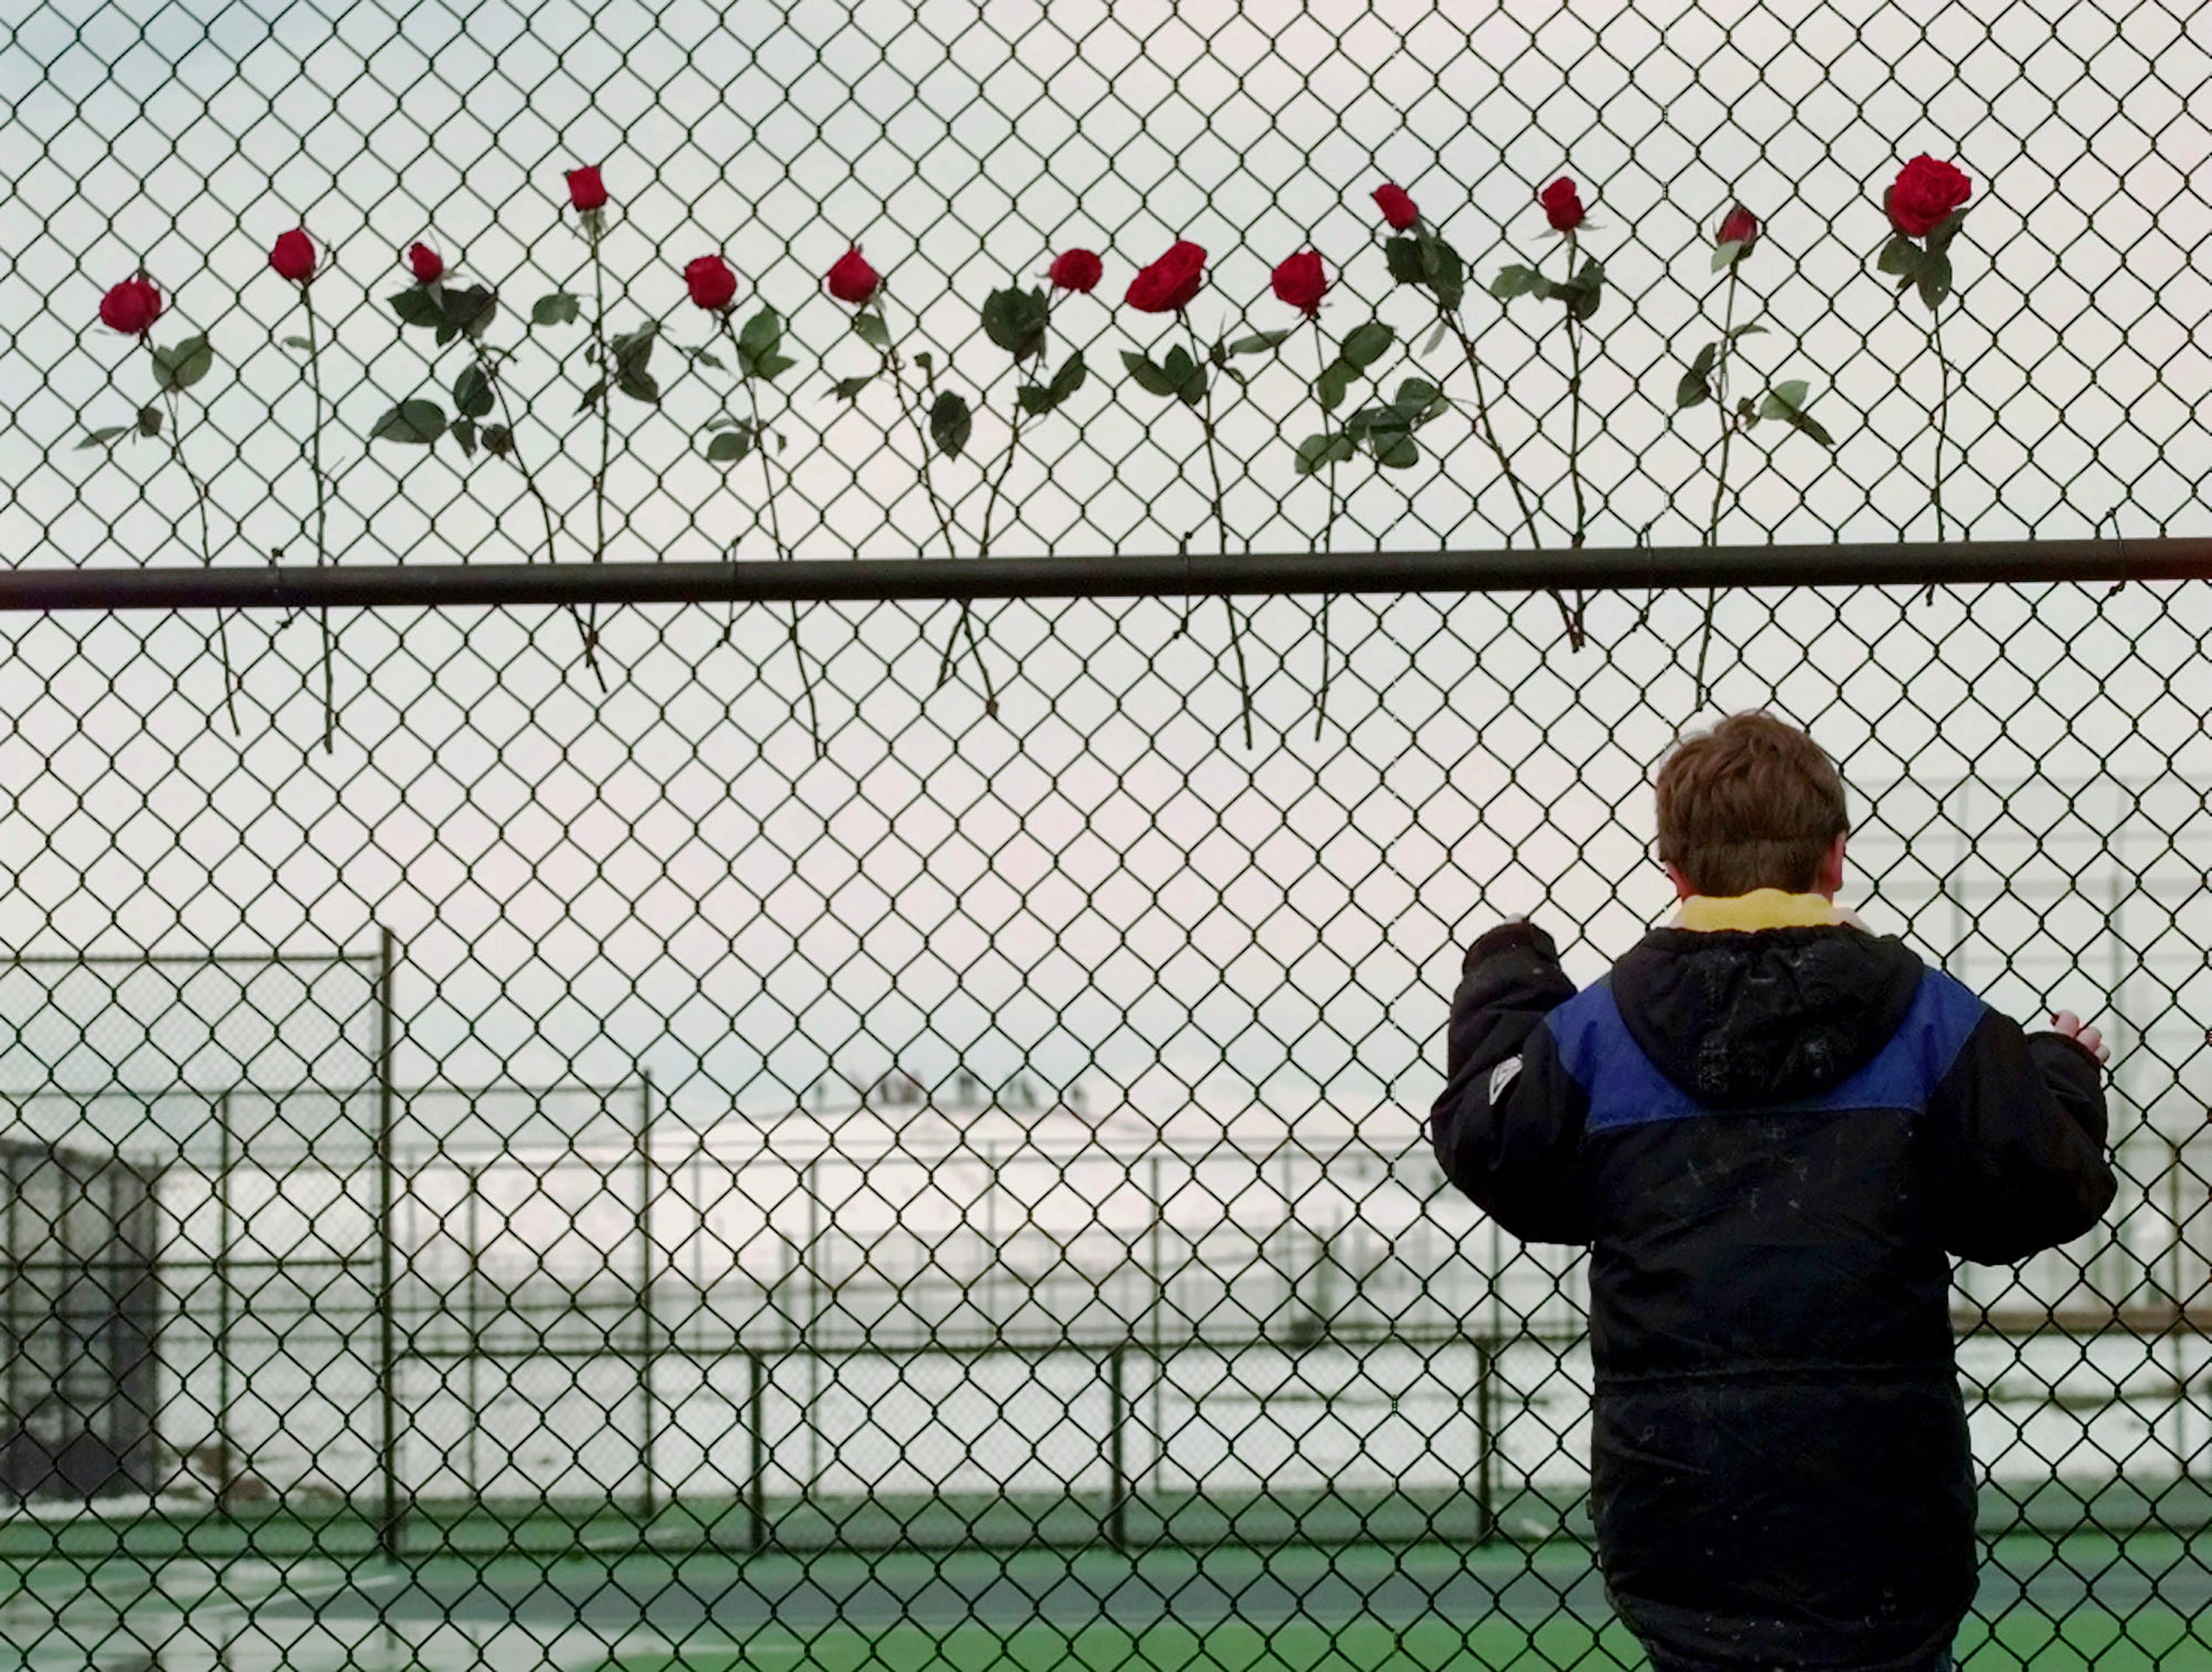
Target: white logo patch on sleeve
point(1501, 1077)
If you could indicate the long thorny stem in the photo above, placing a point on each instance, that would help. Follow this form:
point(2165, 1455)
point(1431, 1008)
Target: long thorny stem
point(1220, 518)
point(1720, 476)
point(1575, 433)
point(1327, 535)
point(322, 547)
point(775, 533)
point(489, 365)
point(1488, 428)
point(207, 557)
point(1943, 423)
point(966, 623)
point(606, 429)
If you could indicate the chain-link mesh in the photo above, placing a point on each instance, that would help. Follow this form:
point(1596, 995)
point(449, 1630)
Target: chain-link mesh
point(779, 1144)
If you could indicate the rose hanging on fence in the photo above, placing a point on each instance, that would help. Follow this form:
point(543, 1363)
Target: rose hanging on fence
point(131, 308)
point(292, 258)
point(1927, 205)
point(1707, 379)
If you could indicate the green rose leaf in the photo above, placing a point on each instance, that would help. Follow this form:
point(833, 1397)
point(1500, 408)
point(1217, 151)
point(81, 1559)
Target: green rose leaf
point(417, 423)
point(1394, 449)
point(925, 360)
point(722, 421)
point(1260, 342)
point(639, 384)
point(1588, 288)
point(1708, 358)
point(1015, 320)
point(149, 421)
point(1899, 258)
point(633, 348)
point(465, 311)
point(1333, 384)
point(464, 432)
point(1147, 376)
point(771, 366)
point(1442, 270)
point(592, 396)
point(1518, 281)
point(472, 396)
point(558, 309)
point(848, 388)
point(1747, 331)
point(731, 445)
point(1034, 398)
point(108, 437)
point(1940, 234)
point(705, 357)
point(1418, 401)
point(1366, 344)
point(872, 330)
point(1692, 390)
point(1725, 256)
point(762, 334)
point(298, 342)
point(1317, 451)
point(1185, 376)
point(181, 367)
point(1790, 393)
point(1069, 378)
point(1744, 410)
point(417, 307)
point(1934, 278)
point(1404, 257)
point(950, 422)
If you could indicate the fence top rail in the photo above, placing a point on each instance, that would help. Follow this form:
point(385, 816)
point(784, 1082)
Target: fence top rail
point(296, 586)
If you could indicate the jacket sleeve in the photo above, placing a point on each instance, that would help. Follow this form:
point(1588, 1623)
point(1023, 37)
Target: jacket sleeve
point(1510, 1121)
point(2017, 1145)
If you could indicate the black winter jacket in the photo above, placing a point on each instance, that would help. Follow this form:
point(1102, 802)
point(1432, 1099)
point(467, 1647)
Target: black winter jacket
point(1770, 1139)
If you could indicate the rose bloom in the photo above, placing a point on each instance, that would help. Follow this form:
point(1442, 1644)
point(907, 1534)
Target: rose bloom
point(294, 256)
point(1562, 204)
point(1925, 194)
point(586, 191)
point(852, 280)
point(1079, 271)
point(1300, 282)
point(1172, 283)
point(1397, 208)
point(131, 307)
point(1738, 226)
point(426, 263)
point(711, 282)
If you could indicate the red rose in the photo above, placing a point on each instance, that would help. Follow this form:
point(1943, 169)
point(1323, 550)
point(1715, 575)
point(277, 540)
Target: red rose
point(1925, 194)
point(1076, 269)
point(852, 280)
point(1738, 226)
point(711, 282)
point(586, 191)
point(294, 256)
point(428, 266)
point(131, 307)
point(1299, 281)
point(1169, 284)
point(1397, 208)
point(1562, 204)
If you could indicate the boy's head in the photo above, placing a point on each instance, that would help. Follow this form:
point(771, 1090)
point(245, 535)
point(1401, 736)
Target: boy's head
point(1753, 803)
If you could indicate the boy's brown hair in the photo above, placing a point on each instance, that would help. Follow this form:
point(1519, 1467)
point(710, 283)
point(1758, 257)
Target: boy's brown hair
point(1753, 803)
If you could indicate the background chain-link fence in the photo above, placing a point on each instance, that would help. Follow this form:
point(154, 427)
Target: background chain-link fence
point(571, 1175)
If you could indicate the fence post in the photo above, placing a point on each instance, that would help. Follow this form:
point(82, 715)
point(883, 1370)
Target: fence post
point(1117, 1413)
point(472, 1180)
point(391, 1527)
point(645, 1353)
point(1159, 1321)
point(756, 1482)
point(1485, 1514)
point(223, 1233)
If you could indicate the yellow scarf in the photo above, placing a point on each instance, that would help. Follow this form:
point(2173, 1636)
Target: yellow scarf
point(1761, 908)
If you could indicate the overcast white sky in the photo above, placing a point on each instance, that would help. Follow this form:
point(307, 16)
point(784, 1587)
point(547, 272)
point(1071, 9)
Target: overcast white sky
point(1102, 883)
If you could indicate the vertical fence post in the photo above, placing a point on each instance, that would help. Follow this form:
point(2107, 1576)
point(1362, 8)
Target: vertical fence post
point(1484, 1439)
point(756, 1475)
point(223, 1232)
point(1117, 1500)
point(1159, 1323)
point(472, 1180)
point(813, 1265)
point(389, 1526)
point(645, 1341)
point(18, 1354)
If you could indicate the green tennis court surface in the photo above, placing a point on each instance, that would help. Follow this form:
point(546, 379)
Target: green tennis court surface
point(2091, 1601)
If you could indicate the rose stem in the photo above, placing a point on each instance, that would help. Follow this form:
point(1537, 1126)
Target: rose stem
point(315, 443)
point(1720, 476)
point(1488, 429)
point(1328, 530)
point(775, 533)
point(489, 367)
point(1220, 515)
point(606, 429)
point(207, 555)
point(1575, 438)
point(1942, 420)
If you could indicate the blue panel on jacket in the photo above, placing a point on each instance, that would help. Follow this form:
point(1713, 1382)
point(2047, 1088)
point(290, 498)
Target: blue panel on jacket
point(1626, 1088)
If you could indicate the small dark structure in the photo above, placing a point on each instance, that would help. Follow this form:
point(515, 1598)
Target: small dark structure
point(78, 1298)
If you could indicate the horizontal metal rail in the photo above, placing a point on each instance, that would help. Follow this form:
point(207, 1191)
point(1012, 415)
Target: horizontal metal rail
point(295, 587)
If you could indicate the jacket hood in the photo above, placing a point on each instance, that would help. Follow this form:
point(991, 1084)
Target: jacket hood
point(1740, 1016)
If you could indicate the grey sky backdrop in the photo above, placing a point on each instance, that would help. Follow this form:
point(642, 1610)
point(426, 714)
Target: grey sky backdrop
point(1101, 885)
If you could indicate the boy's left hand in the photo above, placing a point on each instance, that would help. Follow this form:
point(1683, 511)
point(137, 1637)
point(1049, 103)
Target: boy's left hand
point(2089, 1039)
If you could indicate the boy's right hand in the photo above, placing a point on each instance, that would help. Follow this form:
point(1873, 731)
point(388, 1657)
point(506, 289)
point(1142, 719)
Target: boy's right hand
point(2089, 1039)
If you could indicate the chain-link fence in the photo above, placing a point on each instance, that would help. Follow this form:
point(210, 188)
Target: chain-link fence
point(616, 1131)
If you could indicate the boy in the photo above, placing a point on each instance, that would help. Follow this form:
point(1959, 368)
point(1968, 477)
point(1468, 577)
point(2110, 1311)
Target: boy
point(1771, 1127)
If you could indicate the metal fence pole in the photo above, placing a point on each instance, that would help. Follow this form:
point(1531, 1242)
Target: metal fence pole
point(474, 1182)
point(647, 1414)
point(1117, 1500)
point(1159, 1323)
point(756, 1475)
point(223, 1233)
point(390, 1528)
point(1484, 1484)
